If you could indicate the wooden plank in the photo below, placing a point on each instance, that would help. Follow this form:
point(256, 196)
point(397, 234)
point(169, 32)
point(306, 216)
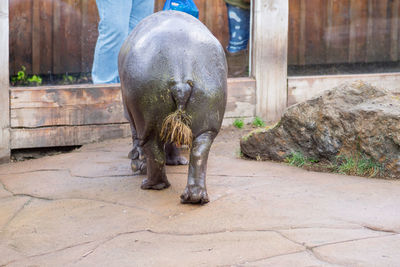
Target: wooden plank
point(70, 34)
point(36, 36)
point(394, 29)
point(303, 88)
point(202, 6)
point(398, 32)
point(337, 31)
point(158, 5)
point(65, 115)
point(294, 32)
point(67, 135)
point(89, 34)
point(378, 45)
point(216, 20)
point(358, 31)
point(270, 46)
point(44, 106)
point(21, 35)
point(4, 84)
point(316, 12)
point(65, 105)
point(57, 35)
point(303, 38)
point(241, 98)
point(46, 37)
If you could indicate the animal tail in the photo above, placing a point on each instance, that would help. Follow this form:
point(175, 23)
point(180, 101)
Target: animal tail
point(176, 126)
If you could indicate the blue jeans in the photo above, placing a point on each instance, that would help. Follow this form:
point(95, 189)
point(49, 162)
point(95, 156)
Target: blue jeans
point(117, 20)
point(239, 28)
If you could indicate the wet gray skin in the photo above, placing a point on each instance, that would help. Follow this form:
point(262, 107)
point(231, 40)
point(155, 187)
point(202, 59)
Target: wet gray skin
point(171, 61)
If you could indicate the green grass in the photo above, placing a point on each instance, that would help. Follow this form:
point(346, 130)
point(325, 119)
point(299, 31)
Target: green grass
point(238, 123)
point(258, 122)
point(23, 79)
point(357, 164)
point(299, 160)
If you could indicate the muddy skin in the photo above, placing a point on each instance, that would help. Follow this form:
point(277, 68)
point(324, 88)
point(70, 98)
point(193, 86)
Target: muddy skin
point(172, 62)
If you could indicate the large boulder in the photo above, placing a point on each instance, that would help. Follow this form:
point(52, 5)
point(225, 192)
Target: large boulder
point(351, 118)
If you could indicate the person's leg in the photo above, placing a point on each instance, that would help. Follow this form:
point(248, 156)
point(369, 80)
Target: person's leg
point(113, 29)
point(140, 10)
point(239, 28)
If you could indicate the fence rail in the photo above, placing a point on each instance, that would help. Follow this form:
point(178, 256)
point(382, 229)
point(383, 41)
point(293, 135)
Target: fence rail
point(59, 36)
point(343, 31)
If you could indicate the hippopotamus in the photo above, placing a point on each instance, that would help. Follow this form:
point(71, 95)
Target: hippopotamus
point(173, 75)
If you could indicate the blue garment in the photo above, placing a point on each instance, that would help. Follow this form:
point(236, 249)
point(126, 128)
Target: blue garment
point(117, 20)
point(239, 28)
point(187, 6)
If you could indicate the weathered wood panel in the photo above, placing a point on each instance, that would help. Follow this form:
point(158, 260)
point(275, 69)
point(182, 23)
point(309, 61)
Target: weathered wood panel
point(378, 45)
point(241, 98)
point(20, 35)
point(60, 36)
point(394, 29)
point(270, 45)
point(315, 30)
point(66, 135)
point(343, 31)
point(303, 88)
point(65, 105)
point(4, 86)
point(358, 30)
point(65, 115)
point(89, 35)
point(46, 38)
point(337, 31)
point(296, 29)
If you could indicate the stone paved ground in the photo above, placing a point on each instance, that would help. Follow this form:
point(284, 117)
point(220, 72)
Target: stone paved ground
point(85, 209)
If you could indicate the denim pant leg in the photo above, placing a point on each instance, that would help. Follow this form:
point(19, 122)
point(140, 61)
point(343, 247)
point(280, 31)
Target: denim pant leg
point(239, 28)
point(113, 29)
point(140, 10)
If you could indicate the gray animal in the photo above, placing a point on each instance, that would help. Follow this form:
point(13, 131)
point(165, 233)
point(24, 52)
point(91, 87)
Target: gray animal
point(173, 76)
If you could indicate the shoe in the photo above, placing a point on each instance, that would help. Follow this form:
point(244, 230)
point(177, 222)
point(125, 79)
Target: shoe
point(238, 63)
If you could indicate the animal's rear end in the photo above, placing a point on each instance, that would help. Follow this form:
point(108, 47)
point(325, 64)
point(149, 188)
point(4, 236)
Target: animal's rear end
point(173, 77)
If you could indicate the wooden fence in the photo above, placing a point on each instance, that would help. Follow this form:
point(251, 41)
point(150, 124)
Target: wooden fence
point(343, 31)
point(59, 36)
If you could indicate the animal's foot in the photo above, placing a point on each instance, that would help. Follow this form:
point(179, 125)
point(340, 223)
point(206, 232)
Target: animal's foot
point(179, 160)
point(194, 194)
point(135, 153)
point(139, 166)
point(155, 185)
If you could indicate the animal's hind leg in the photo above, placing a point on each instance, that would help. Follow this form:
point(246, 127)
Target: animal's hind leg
point(156, 177)
point(174, 156)
point(138, 160)
point(195, 191)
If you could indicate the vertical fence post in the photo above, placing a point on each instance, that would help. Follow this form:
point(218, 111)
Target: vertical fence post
point(4, 84)
point(270, 49)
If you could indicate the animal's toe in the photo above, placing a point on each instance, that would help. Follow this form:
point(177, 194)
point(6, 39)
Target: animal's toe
point(138, 166)
point(177, 161)
point(183, 161)
point(194, 195)
point(150, 185)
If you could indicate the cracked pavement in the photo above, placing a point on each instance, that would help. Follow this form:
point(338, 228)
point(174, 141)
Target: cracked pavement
point(85, 208)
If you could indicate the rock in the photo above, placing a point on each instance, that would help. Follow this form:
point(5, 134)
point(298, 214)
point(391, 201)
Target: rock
point(351, 118)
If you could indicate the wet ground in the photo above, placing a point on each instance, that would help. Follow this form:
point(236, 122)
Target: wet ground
point(84, 208)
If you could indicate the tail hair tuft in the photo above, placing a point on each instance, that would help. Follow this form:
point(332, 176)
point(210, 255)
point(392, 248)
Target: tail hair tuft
point(176, 129)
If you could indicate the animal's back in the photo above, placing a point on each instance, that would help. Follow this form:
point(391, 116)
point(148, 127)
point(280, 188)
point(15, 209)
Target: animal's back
point(169, 48)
